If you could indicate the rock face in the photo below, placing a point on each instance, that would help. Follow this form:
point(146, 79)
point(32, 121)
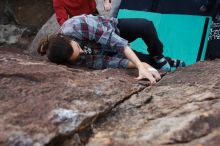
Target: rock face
point(16, 35)
point(49, 28)
point(21, 19)
point(183, 109)
point(25, 12)
point(42, 102)
point(46, 104)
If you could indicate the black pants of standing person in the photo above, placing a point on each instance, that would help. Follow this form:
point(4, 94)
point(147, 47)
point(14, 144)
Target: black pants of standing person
point(211, 8)
point(133, 28)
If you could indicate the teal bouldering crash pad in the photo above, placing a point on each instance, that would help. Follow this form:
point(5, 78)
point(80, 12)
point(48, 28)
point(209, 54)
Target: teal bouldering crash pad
point(184, 37)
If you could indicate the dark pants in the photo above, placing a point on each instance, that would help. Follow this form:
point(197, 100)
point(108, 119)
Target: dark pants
point(133, 28)
point(211, 7)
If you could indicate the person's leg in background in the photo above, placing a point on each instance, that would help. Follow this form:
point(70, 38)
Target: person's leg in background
point(146, 58)
point(216, 15)
point(211, 8)
point(133, 28)
point(100, 7)
point(208, 5)
point(115, 8)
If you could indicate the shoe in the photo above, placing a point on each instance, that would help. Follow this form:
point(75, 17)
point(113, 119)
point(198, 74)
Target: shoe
point(175, 62)
point(162, 63)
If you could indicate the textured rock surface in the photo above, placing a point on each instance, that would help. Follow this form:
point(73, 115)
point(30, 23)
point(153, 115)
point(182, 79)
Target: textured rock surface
point(45, 103)
point(183, 108)
point(16, 35)
point(21, 19)
point(25, 12)
point(49, 28)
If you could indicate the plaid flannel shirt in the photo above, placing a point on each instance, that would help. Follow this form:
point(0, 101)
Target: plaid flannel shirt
point(104, 32)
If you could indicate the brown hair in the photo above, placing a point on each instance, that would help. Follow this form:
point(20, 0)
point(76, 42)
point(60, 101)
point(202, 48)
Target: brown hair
point(57, 48)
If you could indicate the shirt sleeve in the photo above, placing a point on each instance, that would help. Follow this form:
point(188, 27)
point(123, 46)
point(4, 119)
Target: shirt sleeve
point(61, 13)
point(111, 40)
point(102, 62)
point(115, 62)
point(117, 42)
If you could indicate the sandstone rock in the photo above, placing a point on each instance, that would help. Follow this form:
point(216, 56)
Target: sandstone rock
point(48, 29)
point(48, 104)
point(21, 19)
point(43, 103)
point(30, 13)
point(10, 34)
point(16, 36)
point(183, 108)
